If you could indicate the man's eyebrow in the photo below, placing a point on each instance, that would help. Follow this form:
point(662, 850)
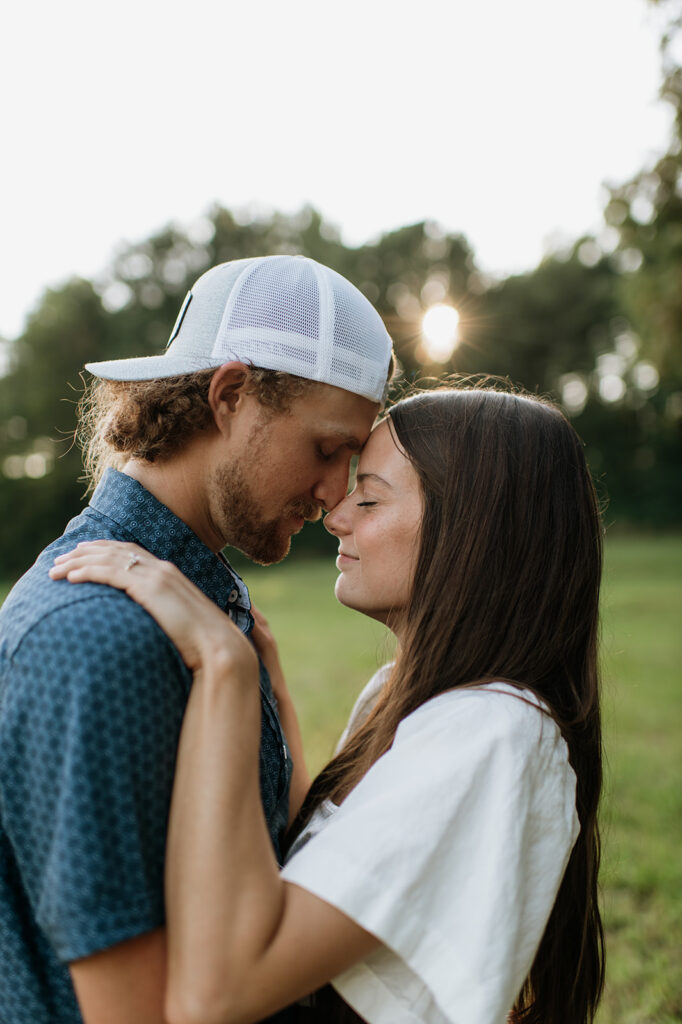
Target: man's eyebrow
point(345, 439)
point(375, 476)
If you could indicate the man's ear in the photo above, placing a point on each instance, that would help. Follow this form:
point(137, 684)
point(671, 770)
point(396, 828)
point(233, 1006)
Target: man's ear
point(226, 392)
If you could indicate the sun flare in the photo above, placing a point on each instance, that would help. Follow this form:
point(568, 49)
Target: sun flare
point(439, 329)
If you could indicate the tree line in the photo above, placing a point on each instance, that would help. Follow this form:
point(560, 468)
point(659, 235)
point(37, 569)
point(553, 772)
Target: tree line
point(597, 327)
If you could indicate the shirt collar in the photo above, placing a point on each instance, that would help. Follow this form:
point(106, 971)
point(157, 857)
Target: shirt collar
point(153, 526)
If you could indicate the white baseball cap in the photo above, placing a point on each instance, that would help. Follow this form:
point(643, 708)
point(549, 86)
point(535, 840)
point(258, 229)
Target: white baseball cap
point(285, 313)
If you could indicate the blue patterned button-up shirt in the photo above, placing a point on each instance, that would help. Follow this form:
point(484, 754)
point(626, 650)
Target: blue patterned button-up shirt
point(92, 695)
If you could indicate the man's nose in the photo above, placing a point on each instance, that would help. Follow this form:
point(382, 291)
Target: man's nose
point(333, 486)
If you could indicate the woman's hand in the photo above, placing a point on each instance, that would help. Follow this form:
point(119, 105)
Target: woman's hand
point(266, 645)
point(202, 633)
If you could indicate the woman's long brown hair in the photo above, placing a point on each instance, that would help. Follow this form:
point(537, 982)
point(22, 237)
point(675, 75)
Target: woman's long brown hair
point(506, 588)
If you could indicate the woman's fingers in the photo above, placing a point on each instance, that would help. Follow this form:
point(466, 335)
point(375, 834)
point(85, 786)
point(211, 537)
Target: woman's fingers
point(113, 553)
point(197, 627)
point(258, 616)
point(262, 634)
point(87, 547)
point(87, 572)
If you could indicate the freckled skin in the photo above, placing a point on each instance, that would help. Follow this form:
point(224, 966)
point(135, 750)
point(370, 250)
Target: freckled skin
point(378, 528)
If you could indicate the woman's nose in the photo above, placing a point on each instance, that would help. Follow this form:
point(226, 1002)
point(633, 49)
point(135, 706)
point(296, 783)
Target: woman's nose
point(336, 521)
point(333, 486)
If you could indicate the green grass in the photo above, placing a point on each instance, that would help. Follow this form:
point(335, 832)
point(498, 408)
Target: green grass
point(642, 819)
point(329, 653)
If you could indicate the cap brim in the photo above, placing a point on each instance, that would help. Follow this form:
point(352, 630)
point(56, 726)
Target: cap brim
point(150, 367)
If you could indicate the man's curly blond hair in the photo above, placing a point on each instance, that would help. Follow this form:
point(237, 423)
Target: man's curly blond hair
point(154, 419)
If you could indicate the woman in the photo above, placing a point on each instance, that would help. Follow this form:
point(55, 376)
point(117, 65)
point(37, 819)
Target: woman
point(443, 866)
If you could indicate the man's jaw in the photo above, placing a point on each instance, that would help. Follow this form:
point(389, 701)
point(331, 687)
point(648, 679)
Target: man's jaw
point(273, 551)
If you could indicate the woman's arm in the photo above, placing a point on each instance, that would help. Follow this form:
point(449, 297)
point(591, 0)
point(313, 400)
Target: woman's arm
point(241, 942)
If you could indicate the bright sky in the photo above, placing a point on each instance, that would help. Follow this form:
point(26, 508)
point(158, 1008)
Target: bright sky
point(501, 120)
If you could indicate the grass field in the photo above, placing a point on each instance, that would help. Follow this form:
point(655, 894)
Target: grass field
point(642, 820)
point(329, 652)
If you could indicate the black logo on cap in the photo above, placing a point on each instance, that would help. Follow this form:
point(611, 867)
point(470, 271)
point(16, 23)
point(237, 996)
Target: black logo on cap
point(181, 317)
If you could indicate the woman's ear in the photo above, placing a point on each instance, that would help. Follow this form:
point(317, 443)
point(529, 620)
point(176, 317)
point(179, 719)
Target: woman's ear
point(226, 393)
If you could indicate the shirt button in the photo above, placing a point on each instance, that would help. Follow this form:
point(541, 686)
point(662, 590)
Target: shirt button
point(232, 596)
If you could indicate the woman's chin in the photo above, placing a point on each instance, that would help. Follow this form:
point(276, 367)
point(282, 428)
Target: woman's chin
point(340, 593)
point(345, 596)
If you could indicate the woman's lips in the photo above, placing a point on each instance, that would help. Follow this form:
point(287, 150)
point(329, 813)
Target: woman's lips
point(344, 560)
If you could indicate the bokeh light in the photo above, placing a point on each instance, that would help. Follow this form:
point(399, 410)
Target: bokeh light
point(612, 387)
point(573, 393)
point(646, 376)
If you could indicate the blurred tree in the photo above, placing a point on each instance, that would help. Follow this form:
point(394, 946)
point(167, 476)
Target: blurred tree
point(558, 329)
point(40, 465)
point(60, 335)
point(647, 213)
point(538, 327)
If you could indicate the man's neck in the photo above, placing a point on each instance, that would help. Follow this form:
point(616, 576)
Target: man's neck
point(178, 484)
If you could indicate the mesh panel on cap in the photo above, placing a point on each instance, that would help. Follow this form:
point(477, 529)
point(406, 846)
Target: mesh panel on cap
point(279, 295)
point(357, 328)
point(359, 340)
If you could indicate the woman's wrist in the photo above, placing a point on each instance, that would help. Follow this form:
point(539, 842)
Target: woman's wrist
point(220, 665)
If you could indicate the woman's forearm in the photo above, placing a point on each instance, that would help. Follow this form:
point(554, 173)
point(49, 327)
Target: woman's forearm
point(223, 890)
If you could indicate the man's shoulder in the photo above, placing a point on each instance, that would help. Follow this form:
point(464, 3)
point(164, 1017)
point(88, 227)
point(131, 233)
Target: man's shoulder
point(37, 602)
point(94, 650)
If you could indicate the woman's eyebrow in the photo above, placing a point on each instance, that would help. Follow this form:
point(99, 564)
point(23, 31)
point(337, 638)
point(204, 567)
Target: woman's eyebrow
point(374, 476)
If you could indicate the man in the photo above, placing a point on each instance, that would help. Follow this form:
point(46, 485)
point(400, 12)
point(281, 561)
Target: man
point(240, 431)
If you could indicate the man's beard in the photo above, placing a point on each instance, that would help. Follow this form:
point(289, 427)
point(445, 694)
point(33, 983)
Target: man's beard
point(241, 520)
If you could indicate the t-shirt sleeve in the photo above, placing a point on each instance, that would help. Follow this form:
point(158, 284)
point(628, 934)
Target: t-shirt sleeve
point(452, 848)
point(90, 729)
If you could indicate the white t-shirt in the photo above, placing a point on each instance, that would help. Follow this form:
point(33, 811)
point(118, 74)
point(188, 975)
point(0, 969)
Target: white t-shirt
point(451, 851)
